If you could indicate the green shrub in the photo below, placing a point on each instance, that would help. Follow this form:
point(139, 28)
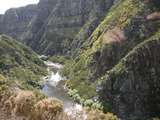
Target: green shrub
point(88, 103)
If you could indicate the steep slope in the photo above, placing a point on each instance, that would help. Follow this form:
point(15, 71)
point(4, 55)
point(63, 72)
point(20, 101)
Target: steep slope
point(125, 26)
point(55, 26)
point(62, 23)
point(133, 85)
point(15, 21)
point(55, 33)
point(97, 14)
point(19, 62)
point(36, 29)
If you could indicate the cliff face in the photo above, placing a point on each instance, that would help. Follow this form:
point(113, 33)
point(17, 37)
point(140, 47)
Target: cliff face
point(64, 21)
point(36, 29)
point(55, 28)
point(15, 21)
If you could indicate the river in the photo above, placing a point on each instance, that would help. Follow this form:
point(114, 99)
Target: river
point(53, 87)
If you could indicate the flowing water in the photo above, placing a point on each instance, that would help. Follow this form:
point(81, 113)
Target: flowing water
point(53, 87)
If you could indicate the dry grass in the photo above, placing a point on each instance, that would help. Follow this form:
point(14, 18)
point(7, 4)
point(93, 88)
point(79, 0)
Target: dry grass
point(23, 103)
point(24, 106)
point(48, 109)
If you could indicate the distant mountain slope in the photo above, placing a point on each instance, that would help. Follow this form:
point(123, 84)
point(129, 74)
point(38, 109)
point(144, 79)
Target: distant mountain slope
point(15, 21)
point(55, 28)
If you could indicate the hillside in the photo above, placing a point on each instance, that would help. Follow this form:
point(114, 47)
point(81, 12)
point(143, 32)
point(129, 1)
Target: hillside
point(19, 62)
point(109, 48)
point(125, 26)
point(63, 18)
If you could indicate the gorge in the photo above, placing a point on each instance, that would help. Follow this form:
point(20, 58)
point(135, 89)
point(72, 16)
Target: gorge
point(108, 50)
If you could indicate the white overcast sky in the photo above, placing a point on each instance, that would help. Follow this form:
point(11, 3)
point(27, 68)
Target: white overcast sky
point(6, 4)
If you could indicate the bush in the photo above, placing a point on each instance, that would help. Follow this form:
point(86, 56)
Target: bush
point(47, 109)
point(85, 102)
point(71, 92)
point(88, 103)
point(23, 103)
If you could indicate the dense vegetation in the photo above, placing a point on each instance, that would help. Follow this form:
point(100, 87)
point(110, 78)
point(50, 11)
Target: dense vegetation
point(17, 62)
point(109, 49)
point(125, 27)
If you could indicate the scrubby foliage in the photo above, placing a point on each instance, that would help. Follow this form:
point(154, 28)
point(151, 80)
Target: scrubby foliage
point(22, 103)
point(48, 109)
point(128, 21)
point(27, 105)
point(19, 62)
point(82, 69)
point(142, 68)
point(84, 102)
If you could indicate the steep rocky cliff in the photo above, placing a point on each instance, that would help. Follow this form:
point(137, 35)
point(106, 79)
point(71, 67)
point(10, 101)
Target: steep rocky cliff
point(15, 21)
point(62, 23)
point(56, 26)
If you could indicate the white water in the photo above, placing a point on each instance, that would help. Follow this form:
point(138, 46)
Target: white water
point(52, 88)
point(54, 79)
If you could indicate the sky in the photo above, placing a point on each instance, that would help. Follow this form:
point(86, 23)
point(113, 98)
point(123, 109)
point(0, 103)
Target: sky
point(6, 4)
